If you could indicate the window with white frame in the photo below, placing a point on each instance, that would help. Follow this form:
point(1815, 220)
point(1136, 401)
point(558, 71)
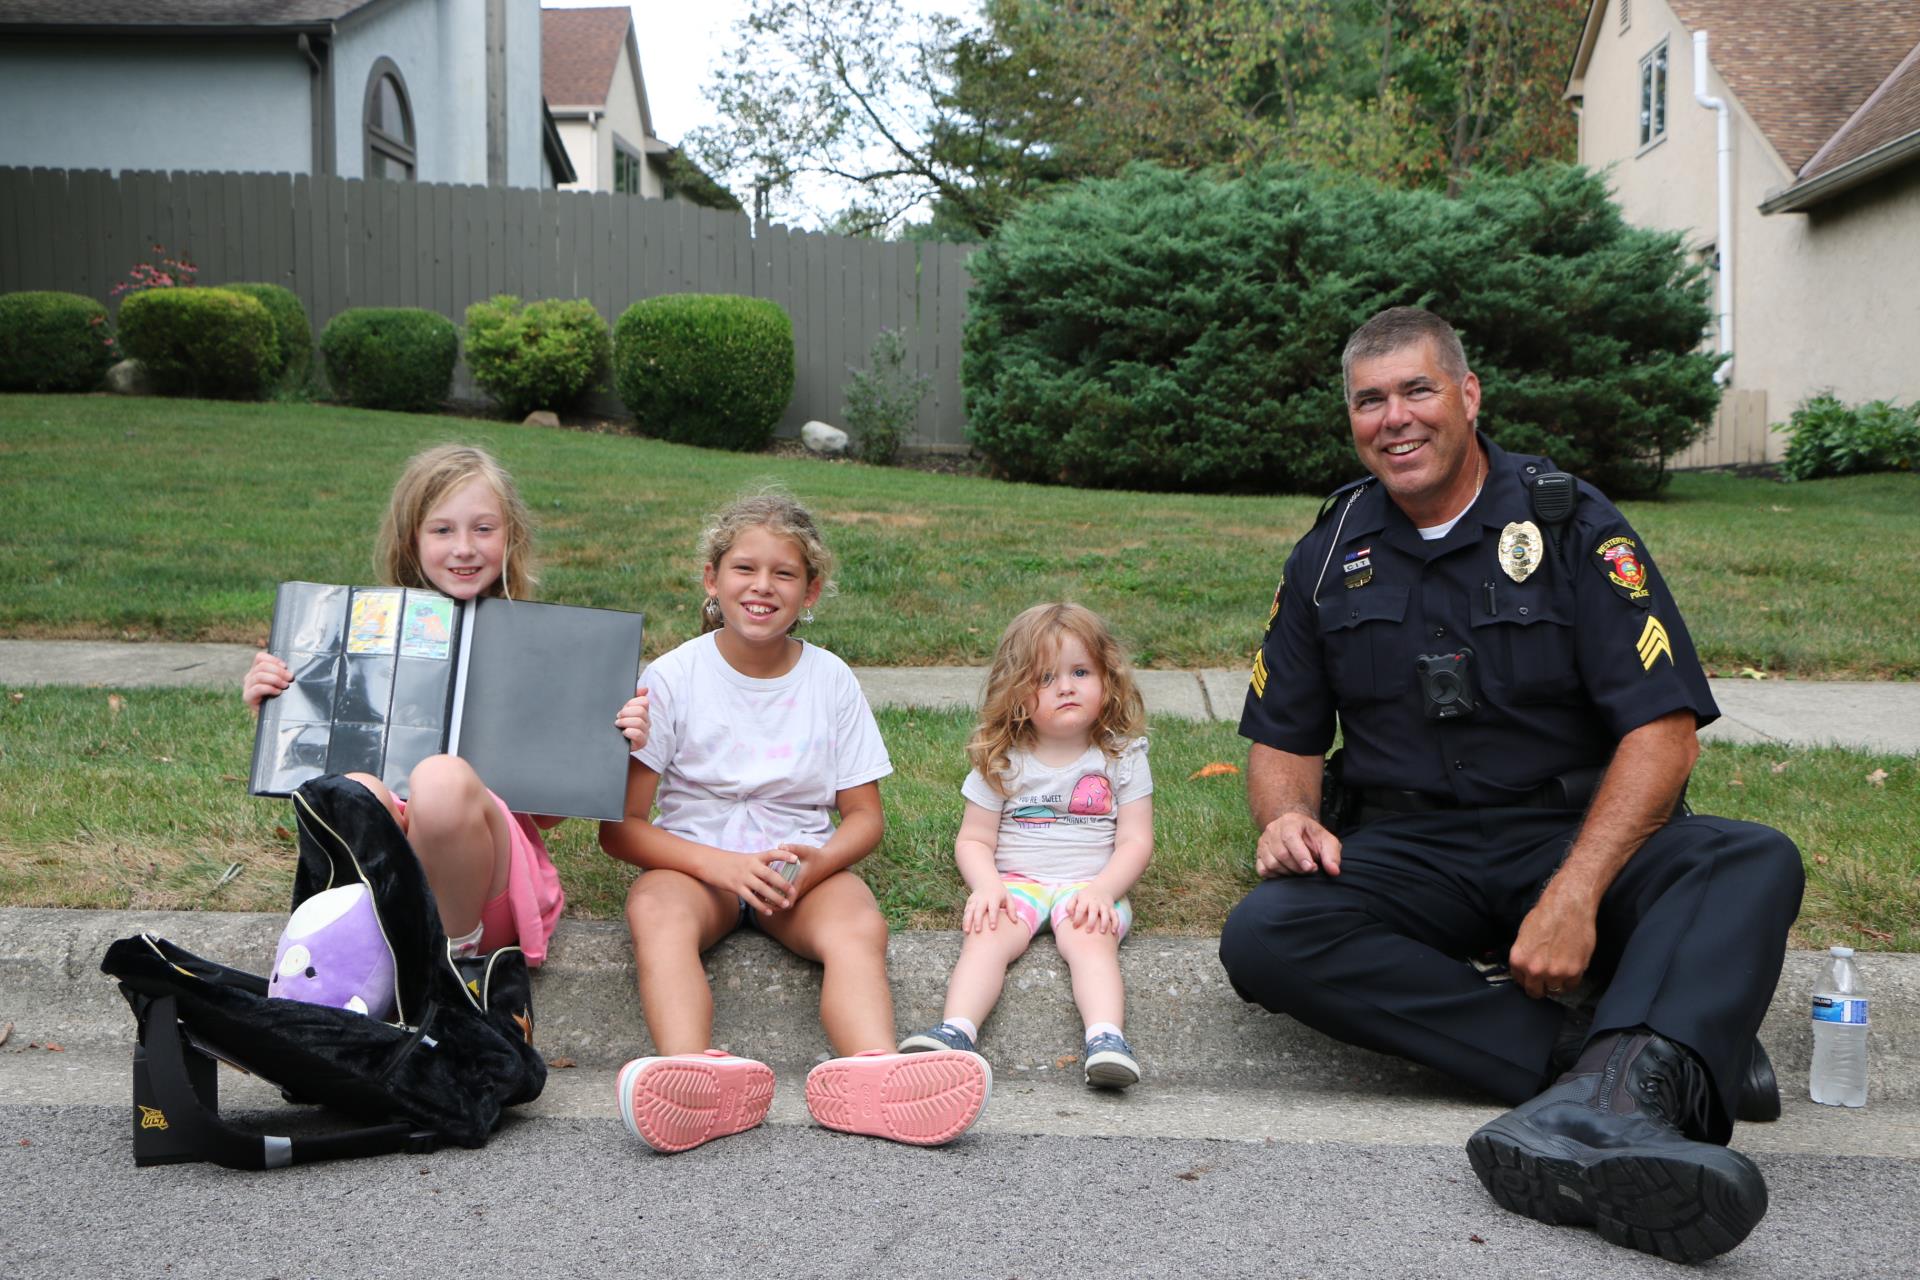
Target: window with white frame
point(390, 147)
point(1653, 96)
point(626, 169)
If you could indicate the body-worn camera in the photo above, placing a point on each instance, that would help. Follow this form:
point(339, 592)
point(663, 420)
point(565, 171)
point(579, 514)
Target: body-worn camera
point(1446, 683)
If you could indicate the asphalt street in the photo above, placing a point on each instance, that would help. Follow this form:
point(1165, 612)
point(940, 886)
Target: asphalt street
point(577, 1197)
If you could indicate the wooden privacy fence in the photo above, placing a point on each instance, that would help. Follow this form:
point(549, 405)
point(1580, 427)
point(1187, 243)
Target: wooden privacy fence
point(1739, 436)
point(340, 243)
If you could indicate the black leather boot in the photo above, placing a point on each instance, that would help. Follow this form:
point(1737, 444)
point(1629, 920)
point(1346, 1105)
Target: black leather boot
point(1614, 1145)
point(1758, 1101)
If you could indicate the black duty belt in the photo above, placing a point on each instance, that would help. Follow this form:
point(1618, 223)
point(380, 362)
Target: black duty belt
point(1572, 791)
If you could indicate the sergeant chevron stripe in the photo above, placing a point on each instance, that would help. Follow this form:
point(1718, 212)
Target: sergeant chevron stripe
point(1653, 642)
point(1259, 673)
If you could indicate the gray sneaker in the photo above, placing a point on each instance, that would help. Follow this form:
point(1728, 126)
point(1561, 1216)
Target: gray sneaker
point(940, 1037)
point(1110, 1063)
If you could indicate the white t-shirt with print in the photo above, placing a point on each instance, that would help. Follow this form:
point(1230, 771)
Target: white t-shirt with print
point(747, 764)
point(1060, 823)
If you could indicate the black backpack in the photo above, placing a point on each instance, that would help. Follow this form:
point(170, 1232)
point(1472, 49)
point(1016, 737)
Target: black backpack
point(458, 1049)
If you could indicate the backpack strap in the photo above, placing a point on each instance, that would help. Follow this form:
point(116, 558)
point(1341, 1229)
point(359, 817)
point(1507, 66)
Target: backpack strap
point(194, 1129)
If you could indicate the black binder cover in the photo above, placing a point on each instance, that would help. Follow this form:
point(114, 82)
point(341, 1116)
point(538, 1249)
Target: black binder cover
point(385, 677)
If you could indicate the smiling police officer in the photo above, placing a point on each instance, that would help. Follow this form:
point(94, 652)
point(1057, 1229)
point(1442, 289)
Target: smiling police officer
point(1518, 698)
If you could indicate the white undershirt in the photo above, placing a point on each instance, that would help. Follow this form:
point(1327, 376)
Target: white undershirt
point(1435, 532)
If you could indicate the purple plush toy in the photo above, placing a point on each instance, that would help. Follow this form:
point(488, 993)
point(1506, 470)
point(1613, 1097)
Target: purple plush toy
point(333, 953)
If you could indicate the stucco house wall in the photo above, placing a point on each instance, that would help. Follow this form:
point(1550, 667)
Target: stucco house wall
point(155, 103)
point(1829, 298)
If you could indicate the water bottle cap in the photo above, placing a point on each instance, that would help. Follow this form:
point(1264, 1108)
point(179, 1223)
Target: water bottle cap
point(1842, 952)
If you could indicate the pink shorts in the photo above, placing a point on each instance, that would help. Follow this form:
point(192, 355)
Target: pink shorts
point(497, 928)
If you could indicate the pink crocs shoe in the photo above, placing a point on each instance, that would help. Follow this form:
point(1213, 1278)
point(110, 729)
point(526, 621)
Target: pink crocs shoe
point(675, 1103)
point(924, 1099)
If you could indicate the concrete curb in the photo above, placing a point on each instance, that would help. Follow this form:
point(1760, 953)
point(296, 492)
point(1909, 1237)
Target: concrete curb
point(1186, 1022)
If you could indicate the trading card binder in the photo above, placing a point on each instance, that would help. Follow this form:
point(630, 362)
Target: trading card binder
point(384, 677)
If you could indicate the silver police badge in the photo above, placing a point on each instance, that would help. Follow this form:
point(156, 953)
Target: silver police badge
point(1520, 549)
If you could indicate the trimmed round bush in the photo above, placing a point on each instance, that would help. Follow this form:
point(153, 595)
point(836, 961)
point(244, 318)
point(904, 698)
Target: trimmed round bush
point(543, 355)
point(390, 357)
point(292, 332)
point(706, 369)
point(201, 342)
point(1167, 330)
point(53, 342)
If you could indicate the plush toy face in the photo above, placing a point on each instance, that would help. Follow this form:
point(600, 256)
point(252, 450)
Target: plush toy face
point(332, 953)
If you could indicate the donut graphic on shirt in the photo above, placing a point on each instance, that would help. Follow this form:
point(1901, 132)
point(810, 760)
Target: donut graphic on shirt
point(1093, 794)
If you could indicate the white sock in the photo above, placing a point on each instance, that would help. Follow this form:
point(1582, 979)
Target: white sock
point(963, 1026)
point(1101, 1028)
point(468, 945)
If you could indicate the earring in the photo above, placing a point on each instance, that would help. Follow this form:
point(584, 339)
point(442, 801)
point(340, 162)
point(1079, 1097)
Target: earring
point(806, 614)
point(711, 611)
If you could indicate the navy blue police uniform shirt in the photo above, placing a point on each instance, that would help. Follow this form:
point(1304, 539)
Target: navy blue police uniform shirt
point(1588, 647)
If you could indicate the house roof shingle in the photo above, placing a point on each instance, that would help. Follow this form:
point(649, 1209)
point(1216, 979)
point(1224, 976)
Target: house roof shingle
point(1803, 68)
point(579, 49)
point(1892, 113)
point(175, 13)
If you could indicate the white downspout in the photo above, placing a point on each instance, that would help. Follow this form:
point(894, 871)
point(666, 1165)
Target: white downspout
point(1723, 243)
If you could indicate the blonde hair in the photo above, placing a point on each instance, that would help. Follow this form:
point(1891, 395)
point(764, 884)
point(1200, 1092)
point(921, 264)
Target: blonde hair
point(428, 478)
point(1028, 646)
point(776, 510)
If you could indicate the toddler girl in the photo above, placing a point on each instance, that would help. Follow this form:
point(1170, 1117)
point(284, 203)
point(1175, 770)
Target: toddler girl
point(1058, 826)
point(759, 740)
point(456, 525)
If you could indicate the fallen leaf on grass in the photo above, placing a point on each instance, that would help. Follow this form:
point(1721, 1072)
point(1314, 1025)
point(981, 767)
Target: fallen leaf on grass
point(164, 759)
point(1754, 673)
point(281, 833)
point(1879, 935)
point(231, 777)
point(1878, 777)
point(115, 704)
point(1780, 766)
point(1736, 781)
point(16, 697)
point(558, 1064)
point(1819, 859)
point(1214, 770)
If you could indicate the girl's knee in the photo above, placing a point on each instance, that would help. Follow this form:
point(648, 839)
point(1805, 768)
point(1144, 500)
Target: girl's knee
point(379, 790)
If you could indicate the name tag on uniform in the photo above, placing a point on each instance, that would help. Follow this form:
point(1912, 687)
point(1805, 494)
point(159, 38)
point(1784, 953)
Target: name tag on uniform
point(1357, 569)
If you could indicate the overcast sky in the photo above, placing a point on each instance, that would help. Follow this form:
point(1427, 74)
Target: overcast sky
point(682, 40)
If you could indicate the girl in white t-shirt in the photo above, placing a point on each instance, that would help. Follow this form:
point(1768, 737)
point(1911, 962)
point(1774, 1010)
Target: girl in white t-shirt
point(758, 739)
point(1058, 827)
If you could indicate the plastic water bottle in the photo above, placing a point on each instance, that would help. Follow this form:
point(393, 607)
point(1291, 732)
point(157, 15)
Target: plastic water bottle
point(1839, 1075)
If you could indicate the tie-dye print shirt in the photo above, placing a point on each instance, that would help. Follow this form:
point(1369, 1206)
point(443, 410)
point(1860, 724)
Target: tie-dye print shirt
point(1059, 823)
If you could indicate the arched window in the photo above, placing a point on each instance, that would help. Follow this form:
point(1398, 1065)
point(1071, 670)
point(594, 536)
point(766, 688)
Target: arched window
point(389, 125)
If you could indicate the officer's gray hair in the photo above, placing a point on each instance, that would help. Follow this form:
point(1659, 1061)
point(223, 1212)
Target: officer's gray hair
point(1396, 329)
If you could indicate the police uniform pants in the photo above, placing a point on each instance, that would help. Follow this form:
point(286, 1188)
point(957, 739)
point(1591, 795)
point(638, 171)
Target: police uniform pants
point(1691, 937)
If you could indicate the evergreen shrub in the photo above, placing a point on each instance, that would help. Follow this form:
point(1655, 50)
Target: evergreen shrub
point(1165, 330)
point(292, 331)
point(1834, 439)
point(706, 369)
point(390, 357)
point(883, 399)
point(544, 355)
point(201, 342)
point(53, 342)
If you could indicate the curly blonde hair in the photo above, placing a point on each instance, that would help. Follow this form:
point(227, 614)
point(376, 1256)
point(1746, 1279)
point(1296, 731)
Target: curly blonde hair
point(427, 479)
point(1021, 658)
point(776, 510)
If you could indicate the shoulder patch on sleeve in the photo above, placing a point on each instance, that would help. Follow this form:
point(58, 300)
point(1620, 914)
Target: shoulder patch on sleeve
point(1273, 611)
point(1618, 560)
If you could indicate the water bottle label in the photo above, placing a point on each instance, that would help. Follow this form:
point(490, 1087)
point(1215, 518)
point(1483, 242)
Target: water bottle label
point(1852, 1012)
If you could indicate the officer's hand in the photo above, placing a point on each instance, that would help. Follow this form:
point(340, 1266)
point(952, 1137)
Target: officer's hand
point(1296, 845)
point(1554, 946)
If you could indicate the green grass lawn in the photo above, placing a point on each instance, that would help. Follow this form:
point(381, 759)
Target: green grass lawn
point(142, 804)
point(174, 519)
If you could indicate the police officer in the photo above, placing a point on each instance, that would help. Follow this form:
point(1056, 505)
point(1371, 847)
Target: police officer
point(1518, 698)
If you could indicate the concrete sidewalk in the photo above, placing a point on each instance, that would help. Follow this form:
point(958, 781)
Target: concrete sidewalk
point(1867, 716)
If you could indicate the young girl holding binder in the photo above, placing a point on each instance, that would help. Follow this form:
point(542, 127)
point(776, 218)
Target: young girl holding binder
point(759, 740)
point(455, 524)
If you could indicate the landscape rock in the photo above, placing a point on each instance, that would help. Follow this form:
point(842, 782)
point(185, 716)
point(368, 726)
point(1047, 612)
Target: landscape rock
point(129, 378)
point(542, 418)
point(821, 437)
